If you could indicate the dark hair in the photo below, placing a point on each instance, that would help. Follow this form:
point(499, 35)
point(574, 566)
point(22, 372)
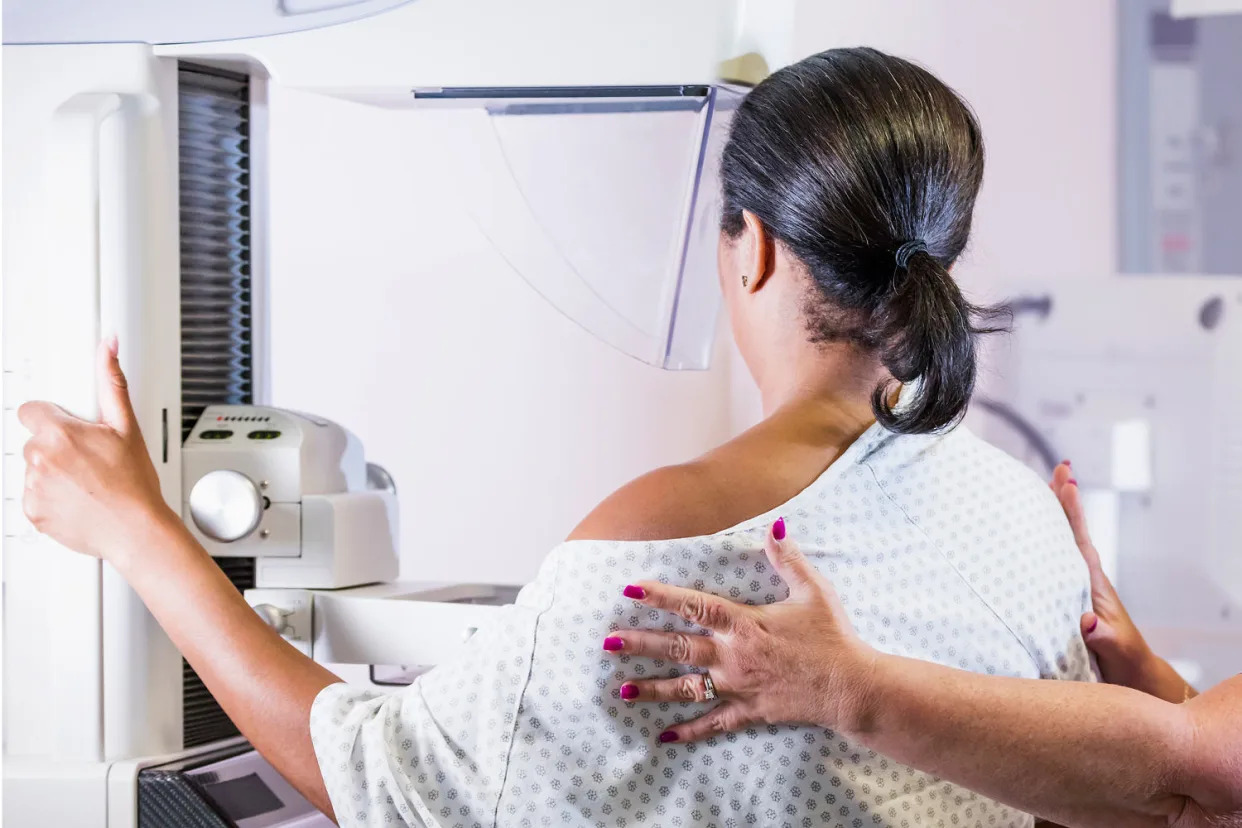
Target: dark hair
point(846, 156)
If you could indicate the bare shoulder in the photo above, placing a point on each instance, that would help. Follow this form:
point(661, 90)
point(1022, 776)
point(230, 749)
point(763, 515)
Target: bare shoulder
point(748, 476)
point(671, 502)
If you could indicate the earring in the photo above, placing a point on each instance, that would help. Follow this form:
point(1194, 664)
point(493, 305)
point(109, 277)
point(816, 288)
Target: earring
point(745, 278)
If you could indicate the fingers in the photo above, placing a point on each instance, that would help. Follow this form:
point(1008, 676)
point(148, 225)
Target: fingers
point(682, 648)
point(37, 416)
point(687, 688)
point(115, 409)
point(707, 611)
point(1071, 502)
point(1061, 475)
point(789, 562)
point(727, 717)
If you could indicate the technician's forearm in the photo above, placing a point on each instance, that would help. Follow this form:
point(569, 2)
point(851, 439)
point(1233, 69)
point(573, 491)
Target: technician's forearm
point(1079, 754)
point(264, 684)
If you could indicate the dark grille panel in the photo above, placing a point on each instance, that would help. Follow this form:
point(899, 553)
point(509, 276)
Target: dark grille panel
point(203, 719)
point(216, 311)
point(216, 298)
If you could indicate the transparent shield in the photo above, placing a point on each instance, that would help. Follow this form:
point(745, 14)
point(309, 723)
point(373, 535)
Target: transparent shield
point(606, 202)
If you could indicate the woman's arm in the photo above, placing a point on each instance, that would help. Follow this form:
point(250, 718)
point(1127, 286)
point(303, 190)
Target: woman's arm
point(1079, 754)
point(92, 487)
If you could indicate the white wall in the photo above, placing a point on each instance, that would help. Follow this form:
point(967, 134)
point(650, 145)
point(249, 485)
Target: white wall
point(502, 421)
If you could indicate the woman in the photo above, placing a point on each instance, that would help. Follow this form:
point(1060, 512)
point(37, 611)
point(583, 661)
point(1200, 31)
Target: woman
point(1082, 755)
point(849, 182)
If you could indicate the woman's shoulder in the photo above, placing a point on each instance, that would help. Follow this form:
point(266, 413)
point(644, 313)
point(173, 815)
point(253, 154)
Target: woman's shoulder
point(671, 502)
point(727, 486)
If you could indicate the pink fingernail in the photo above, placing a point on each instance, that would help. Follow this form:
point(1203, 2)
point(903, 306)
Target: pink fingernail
point(668, 736)
point(1072, 482)
point(629, 691)
point(1066, 463)
point(778, 529)
point(1095, 623)
point(635, 592)
point(613, 643)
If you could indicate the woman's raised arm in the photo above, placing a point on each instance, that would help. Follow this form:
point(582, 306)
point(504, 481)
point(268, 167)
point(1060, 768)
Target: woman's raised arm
point(91, 487)
point(1080, 754)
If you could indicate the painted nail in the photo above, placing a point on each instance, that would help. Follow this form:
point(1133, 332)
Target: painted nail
point(668, 736)
point(1072, 482)
point(778, 529)
point(1095, 622)
point(1066, 463)
point(629, 691)
point(613, 643)
point(635, 592)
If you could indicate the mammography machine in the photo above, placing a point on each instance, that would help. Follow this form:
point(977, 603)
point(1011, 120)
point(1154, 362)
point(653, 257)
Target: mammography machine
point(137, 202)
point(575, 165)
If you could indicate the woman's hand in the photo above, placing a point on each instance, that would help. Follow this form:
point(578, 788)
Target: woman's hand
point(795, 661)
point(93, 488)
point(1120, 650)
point(88, 485)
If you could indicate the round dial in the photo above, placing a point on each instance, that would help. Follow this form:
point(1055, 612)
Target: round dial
point(226, 505)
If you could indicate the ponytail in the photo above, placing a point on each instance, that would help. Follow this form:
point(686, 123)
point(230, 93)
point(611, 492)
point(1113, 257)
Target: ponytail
point(926, 329)
point(854, 160)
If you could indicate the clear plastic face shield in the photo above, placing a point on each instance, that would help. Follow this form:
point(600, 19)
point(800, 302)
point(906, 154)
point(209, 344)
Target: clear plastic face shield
point(606, 201)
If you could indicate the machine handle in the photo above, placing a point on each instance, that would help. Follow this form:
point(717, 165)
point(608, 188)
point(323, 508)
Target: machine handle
point(73, 184)
point(274, 617)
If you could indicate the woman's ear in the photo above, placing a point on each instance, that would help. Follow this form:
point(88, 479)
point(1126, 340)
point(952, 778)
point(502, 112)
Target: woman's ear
point(757, 257)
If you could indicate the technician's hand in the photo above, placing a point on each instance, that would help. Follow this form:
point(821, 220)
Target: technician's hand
point(88, 485)
point(798, 660)
point(1120, 649)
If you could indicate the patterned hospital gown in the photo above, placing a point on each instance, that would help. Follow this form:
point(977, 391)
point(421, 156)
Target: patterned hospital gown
point(941, 547)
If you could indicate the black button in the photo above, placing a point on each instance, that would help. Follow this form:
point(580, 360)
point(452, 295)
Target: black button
point(263, 435)
point(215, 434)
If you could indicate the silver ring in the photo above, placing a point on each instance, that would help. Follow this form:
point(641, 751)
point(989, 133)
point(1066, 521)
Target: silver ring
point(709, 688)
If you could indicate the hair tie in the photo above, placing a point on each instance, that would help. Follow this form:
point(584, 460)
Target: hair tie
point(907, 250)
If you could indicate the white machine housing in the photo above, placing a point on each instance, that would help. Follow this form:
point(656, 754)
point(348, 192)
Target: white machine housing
point(316, 526)
point(91, 154)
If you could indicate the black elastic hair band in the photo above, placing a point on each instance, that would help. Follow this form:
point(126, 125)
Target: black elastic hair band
point(907, 250)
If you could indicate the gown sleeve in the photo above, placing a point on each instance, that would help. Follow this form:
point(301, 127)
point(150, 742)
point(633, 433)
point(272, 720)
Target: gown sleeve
point(434, 753)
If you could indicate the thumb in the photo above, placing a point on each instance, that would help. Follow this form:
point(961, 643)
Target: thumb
point(1098, 634)
point(115, 410)
point(788, 561)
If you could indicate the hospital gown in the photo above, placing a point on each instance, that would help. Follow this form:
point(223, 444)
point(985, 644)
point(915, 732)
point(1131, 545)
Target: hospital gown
point(941, 547)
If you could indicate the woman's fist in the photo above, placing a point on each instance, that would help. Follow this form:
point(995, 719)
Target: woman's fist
point(89, 486)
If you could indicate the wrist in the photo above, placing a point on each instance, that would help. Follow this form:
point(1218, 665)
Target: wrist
point(150, 531)
point(854, 700)
point(1156, 677)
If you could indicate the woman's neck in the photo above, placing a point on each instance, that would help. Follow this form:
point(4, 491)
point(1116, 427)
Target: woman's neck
point(829, 385)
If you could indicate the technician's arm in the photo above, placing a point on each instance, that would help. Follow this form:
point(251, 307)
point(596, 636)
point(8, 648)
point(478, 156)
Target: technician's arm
point(91, 486)
point(1079, 754)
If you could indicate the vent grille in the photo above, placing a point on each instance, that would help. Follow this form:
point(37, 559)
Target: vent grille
point(216, 310)
point(203, 720)
point(216, 298)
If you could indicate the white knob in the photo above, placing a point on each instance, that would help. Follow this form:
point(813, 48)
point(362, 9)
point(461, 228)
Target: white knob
point(225, 505)
point(274, 617)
